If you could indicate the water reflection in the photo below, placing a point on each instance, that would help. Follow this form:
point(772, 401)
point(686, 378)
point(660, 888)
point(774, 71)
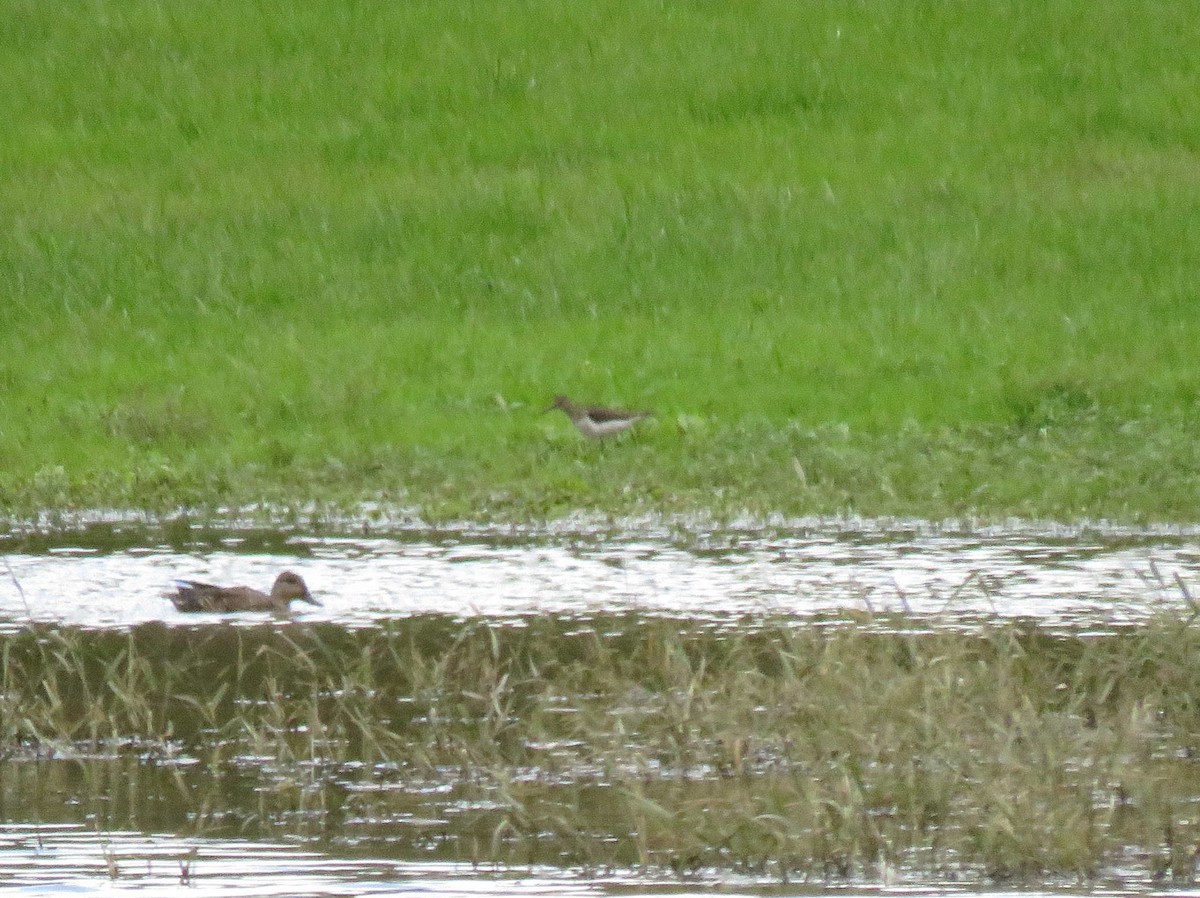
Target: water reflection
point(361, 580)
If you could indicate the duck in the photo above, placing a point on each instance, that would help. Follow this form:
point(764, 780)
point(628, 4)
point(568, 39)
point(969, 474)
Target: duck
point(191, 595)
point(597, 422)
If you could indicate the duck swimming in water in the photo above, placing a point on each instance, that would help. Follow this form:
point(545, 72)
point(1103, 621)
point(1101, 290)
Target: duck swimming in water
point(194, 596)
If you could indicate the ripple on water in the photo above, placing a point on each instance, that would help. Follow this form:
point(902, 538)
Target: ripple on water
point(1077, 579)
point(71, 859)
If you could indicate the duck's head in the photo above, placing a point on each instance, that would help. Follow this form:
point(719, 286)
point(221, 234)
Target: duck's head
point(291, 587)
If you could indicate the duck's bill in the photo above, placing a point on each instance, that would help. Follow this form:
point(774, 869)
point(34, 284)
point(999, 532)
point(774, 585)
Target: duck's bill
point(307, 597)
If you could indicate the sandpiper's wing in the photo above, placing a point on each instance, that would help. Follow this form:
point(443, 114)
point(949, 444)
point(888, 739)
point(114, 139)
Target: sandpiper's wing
point(601, 414)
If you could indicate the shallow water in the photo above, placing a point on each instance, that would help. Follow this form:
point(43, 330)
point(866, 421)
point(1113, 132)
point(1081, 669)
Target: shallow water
point(70, 859)
point(96, 581)
point(103, 826)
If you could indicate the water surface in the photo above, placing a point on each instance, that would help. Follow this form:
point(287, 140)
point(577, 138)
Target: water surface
point(1080, 579)
point(71, 860)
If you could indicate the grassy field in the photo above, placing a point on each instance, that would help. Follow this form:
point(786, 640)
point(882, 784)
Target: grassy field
point(888, 258)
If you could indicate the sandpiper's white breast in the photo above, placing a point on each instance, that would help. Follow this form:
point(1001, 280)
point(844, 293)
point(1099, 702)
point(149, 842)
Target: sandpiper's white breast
point(593, 429)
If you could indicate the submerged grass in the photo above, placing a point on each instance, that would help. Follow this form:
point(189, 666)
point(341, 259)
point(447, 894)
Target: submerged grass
point(865, 745)
point(886, 258)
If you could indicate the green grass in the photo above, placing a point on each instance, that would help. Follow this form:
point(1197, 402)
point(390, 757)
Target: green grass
point(1005, 753)
point(936, 257)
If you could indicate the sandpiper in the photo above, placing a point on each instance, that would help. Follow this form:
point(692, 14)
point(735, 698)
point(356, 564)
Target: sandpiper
point(595, 422)
point(194, 596)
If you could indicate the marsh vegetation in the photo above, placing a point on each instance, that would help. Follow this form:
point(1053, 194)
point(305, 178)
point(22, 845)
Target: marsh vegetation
point(863, 746)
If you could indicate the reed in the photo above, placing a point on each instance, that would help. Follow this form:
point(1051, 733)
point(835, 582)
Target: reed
point(867, 746)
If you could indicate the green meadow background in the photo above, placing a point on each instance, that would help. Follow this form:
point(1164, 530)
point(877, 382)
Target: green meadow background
point(894, 258)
